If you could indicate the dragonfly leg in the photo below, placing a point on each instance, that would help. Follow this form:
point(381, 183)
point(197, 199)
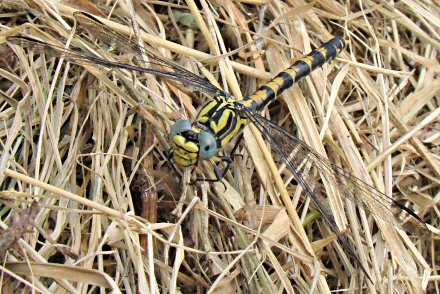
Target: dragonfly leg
point(229, 159)
point(219, 174)
point(217, 171)
point(170, 154)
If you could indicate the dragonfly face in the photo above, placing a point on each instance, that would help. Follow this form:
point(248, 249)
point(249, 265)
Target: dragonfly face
point(190, 143)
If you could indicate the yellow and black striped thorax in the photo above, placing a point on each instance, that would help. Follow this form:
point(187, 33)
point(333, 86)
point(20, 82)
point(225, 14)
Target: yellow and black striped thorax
point(294, 73)
point(221, 117)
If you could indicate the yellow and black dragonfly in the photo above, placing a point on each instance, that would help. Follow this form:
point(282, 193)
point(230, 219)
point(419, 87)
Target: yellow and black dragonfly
point(223, 118)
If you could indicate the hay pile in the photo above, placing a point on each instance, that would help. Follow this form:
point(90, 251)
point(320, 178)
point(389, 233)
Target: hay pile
point(90, 144)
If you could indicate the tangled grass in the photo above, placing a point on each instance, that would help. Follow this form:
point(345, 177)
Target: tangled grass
point(88, 197)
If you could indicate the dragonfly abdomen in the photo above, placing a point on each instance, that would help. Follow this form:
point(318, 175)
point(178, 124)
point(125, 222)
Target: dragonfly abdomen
point(294, 73)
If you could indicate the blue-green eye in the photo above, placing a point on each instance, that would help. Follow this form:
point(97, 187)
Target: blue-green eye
point(179, 127)
point(207, 144)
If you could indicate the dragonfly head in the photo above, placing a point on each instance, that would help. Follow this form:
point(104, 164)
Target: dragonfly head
point(190, 143)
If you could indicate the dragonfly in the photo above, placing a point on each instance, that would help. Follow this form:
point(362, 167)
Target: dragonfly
point(223, 118)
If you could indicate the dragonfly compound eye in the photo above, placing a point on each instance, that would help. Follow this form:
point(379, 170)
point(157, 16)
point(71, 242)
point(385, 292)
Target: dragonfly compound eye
point(207, 144)
point(179, 127)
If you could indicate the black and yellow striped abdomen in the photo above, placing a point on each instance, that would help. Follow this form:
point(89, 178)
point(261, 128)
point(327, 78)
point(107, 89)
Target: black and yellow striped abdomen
point(294, 73)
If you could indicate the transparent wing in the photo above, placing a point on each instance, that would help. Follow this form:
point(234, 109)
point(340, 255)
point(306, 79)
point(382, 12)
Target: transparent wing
point(156, 65)
point(299, 158)
point(110, 36)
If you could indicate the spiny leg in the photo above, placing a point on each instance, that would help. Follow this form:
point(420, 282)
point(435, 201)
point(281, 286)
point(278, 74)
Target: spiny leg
point(228, 159)
point(170, 154)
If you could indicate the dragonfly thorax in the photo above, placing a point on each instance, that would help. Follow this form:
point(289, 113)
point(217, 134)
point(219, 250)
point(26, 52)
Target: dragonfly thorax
point(222, 118)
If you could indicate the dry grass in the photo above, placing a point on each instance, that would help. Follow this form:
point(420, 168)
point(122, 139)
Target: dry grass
point(90, 146)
